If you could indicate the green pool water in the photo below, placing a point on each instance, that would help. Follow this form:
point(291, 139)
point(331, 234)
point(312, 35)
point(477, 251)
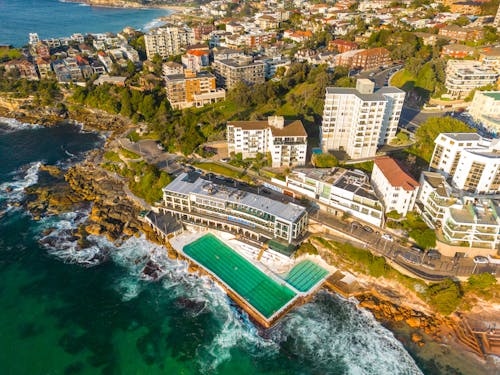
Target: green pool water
point(305, 275)
point(259, 290)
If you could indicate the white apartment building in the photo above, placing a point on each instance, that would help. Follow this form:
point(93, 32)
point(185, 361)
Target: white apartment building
point(286, 142)
point(465, 221)
point(463, 76)
point(496, 22)
point(339, 191)
point(360, 120)
point(485, 109)
point(167, 41)
point(396, 188)
point(196, 200)
point(471, 162)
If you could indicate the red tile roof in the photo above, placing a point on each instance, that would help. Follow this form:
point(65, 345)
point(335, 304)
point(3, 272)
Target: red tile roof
point(395, 174)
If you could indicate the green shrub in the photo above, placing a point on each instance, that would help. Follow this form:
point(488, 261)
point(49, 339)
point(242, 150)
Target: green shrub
point(444, 296)
point(129, 154)
point(112, 156)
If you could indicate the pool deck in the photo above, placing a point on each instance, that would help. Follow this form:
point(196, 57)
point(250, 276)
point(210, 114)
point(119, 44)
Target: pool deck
point(249, 253)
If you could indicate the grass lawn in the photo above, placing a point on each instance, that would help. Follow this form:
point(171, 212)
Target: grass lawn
point(112, 156)
point(134, 136)
point(222, 170)
point(129, 154)
point(403, 79)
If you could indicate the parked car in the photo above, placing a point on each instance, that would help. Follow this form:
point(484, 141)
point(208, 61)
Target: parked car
point(265, 191)
point(410, 258)
point(225, 160)
point(480, 259)
point(368, 229)
point(433, 254)
point(417, 249)
point(387, 237)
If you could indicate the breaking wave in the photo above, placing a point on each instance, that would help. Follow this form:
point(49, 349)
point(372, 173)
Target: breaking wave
point(9, 125)
point(12, 192)
point(327, 335)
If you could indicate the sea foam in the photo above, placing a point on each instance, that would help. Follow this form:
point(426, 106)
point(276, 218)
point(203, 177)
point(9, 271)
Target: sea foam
point(9, 125)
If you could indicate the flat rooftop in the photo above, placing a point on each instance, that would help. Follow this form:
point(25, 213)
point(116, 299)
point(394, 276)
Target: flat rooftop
point(262, 292)
point(191, 183)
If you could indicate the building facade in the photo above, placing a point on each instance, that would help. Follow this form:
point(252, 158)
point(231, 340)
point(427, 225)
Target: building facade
point(196, 200)
point(285, 142)
point(485, 109)
point(360, 120)
point(192, 89)
point(396, 188)
point(470, 162)
point(242, 69)
point(463, 76)
point(340, 191)
point(167, 41)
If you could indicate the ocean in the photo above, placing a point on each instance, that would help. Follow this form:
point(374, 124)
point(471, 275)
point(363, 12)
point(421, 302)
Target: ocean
point(59, 315)
point(54, 18)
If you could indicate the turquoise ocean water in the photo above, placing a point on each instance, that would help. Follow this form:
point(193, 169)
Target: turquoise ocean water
point(58, 316)
point(54, 18)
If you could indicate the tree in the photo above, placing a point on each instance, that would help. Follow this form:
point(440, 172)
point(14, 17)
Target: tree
point(444, 296)
point(430, 130)
point(324, 161)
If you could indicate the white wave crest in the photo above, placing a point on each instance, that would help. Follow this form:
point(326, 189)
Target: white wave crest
point(153, 24)
point(10, 125)
point(13, 191)
point(331, 331)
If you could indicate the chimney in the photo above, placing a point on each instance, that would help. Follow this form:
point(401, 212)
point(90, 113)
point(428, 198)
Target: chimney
point(365, 86)
point(277, 122)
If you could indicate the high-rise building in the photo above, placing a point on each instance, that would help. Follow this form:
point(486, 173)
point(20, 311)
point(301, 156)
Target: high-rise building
point(471, 162)
point(286, 142)
point(358, 120)
point(167, 41)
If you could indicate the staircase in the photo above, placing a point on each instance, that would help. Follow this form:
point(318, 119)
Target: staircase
point(467, 337)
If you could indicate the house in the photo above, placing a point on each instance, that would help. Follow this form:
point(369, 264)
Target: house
point(396, 188)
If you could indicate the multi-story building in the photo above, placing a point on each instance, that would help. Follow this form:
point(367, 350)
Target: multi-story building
point(340, 191)
point(195, 60)
point(341, 46)
point(242, 69)
point(474, 223)
point(462, 34)
point(44, 67)
point(359, 120)
point(490, 58)
point(462, 220)
point(471, 162)
point(172, 67)
point(485, 109)
point(396, 188)
point(463, 76)
point(496, 22)
point(286, 142)
point(24, 68)
point(192, 89)
point(167, 41)
point(197, 200)
point(467, 7)
point(366, 59)
point(457, 51)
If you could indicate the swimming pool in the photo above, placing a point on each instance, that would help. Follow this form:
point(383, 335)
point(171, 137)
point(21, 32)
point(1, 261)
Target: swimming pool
point(261, 291)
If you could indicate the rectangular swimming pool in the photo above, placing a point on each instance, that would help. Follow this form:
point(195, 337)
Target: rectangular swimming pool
point(262, 292)
point(305, 275)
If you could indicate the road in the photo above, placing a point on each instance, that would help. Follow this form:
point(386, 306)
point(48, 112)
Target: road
point(380, 77)
point(412, 118)
point(414, 261)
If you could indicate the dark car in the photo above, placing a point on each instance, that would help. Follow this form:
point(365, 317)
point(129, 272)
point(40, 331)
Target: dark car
point(417, 249)
point(433, 254)
point(265, 191)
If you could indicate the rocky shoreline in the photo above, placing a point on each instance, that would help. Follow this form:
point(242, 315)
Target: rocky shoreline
point(126, 4)
point(114, 215)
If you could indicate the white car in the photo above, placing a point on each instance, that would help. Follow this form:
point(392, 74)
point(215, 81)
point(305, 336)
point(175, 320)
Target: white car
point(480, 259)
point(387, 237)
